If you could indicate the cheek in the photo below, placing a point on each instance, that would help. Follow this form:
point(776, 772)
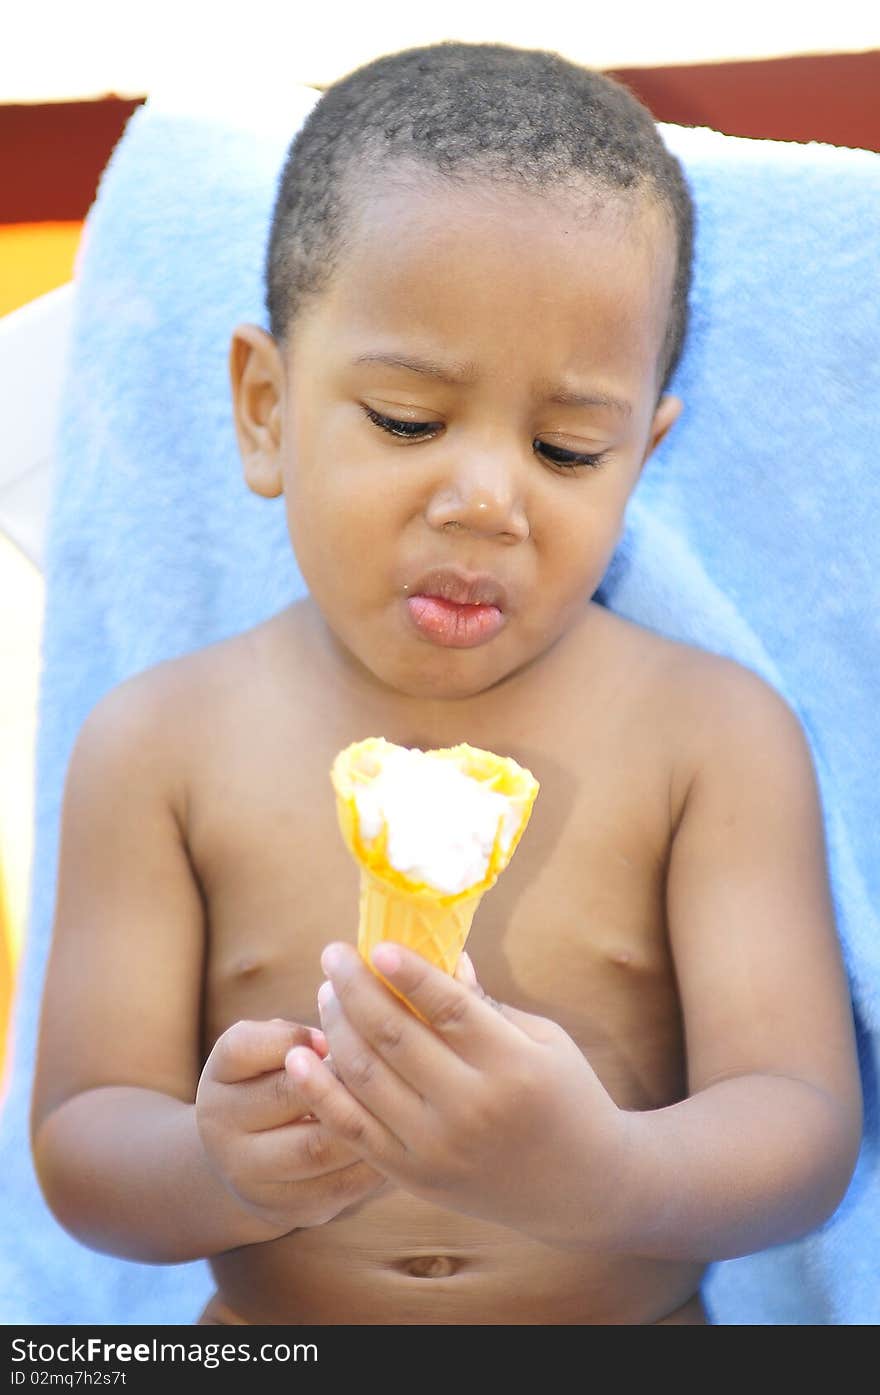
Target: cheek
point(341, 508)
point(331, 473)
point(579, 540)
point(341, 532)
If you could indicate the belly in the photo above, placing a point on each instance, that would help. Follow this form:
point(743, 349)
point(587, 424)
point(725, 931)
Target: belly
point(397, 1260)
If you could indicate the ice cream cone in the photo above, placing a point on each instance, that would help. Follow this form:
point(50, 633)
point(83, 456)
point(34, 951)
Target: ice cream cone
point(395, 907)
point(434, 930)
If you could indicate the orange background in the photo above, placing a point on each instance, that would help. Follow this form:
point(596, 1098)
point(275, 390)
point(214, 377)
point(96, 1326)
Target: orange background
point(35, 258)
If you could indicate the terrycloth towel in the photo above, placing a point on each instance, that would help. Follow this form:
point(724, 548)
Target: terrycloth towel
point(753, 533)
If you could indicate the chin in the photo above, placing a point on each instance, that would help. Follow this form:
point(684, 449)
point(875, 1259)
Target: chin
point(436, 686)
point(454, 675)
point(422, 671)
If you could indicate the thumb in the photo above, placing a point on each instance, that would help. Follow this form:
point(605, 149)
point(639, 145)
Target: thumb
point(542, 1030)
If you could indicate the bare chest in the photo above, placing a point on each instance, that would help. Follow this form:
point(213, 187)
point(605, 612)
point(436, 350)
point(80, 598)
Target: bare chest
point(574, 930)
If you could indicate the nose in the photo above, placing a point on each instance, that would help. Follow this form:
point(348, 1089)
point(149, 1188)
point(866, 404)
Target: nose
point(480, 496)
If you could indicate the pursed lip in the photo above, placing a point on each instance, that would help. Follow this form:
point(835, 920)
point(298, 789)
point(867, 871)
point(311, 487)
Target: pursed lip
point(461, 587)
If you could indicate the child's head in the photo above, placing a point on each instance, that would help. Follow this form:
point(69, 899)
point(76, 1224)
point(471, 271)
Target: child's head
point(470, 113)
point(512, 226)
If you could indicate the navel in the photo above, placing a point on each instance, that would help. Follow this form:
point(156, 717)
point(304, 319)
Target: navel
point(429, 1266)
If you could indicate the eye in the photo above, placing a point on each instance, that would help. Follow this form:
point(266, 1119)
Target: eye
point(425, 430)
point(406, 430)
point(571, 460)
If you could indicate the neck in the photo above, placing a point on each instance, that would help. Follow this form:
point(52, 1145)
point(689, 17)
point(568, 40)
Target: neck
point(424, 721)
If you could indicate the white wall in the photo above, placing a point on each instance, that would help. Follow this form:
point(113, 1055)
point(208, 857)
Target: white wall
point(64, 48)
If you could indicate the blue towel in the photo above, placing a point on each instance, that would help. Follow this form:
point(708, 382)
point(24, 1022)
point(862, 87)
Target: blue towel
point(753, 533)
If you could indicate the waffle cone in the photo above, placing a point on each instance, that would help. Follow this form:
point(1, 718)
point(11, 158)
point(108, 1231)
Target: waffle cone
point(392, 906)
point(435, 931)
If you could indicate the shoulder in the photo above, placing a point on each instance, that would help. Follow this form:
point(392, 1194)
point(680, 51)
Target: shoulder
point(744, 751)
point(715, 715)
point(705, 688)
point(161, 697)
point(728, 707)
point(155, 723)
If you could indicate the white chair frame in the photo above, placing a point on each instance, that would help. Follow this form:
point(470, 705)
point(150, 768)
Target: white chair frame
point(33, 350)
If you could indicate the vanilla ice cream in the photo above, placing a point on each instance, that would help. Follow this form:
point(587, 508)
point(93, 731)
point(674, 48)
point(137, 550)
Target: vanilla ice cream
point(441, 822)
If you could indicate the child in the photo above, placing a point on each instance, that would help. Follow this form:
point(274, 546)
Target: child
point(477, 288)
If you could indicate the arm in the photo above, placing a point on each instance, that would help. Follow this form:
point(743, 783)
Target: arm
point(130, 1158)
point(763, 1148)
point(123, 1169)
point(499, 1115)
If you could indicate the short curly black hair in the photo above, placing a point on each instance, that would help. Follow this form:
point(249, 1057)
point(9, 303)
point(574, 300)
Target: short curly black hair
point(528, 118)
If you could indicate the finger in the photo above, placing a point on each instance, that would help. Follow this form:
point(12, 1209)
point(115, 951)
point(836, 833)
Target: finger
point(465, 972)
point(538, 1029)
point(298, 1152)
point(269, 1102)
point(248, 1049)
point(325, 1197)
point(315, 1200)
point(342, 1114)
point(477, 1032)
point(404, 1041)
point(362, 1068)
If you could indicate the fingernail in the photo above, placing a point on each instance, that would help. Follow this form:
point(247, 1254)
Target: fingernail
point(298, 1062)
point(386, 958)
point(325, 993)
point(330, 959)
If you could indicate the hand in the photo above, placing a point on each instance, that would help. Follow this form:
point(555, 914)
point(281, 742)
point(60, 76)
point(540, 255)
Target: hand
point(479, 1108)
point(261, 1140)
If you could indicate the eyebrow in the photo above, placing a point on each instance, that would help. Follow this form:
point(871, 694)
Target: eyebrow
point(566, 398)
point(456, 374)
point(453, 373)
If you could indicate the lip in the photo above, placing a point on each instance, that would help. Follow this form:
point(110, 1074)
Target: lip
point(456, 609)
point(462, 587)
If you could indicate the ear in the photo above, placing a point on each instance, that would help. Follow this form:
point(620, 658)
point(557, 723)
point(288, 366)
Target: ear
point(257, 379)
point(669, 409)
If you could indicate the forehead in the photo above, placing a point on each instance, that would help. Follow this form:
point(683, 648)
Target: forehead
point(580, 274)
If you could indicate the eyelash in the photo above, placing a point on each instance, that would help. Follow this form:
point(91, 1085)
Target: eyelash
point(416, 431)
